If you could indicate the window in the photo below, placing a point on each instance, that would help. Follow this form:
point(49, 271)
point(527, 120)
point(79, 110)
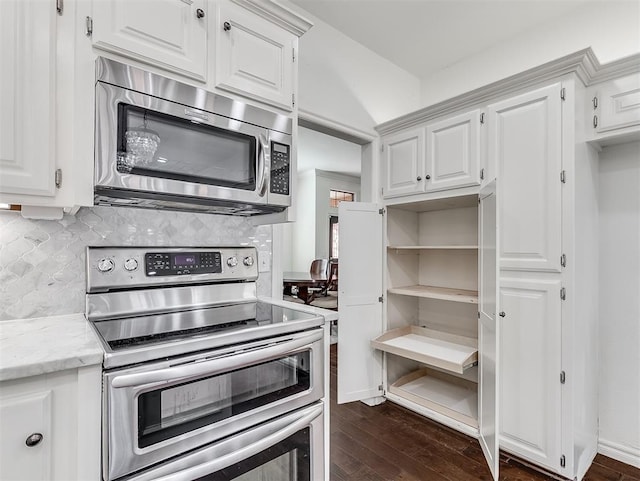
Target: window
point(333, 237)
point(336, 196)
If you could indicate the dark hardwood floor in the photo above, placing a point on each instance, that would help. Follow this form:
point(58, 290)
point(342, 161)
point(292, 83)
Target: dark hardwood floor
point(390, 443)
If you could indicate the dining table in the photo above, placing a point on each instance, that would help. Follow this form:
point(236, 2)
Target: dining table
point(303, 281)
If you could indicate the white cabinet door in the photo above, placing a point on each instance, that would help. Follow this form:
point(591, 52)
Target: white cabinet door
point(618, 104)
point(171, 34)
point(27, 89)
point(525, 139)
point(529, 367)
point(254, 57)
point(488, 328)
point(360, 286)
point(453, 152)
point(403, 160)
point(22, 455)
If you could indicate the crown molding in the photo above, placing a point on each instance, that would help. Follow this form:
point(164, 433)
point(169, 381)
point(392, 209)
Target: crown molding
point(278, 14)
point(582, 63)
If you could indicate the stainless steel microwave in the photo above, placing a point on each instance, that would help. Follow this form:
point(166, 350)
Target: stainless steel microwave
point(163, 144)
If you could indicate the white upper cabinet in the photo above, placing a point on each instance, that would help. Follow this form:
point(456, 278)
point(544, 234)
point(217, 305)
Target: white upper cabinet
point(404, 163)
point(254, 56)
point(169, 33)
point(27, 87)
point(453, 152)
point(525, 139)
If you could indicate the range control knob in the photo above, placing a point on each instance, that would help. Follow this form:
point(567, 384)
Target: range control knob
point(131, 264)
point(232, 261)
point(248, 261)
point(106, 265)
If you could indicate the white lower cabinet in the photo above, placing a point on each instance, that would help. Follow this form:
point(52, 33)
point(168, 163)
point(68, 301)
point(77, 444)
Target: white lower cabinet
point(428, 340)
point(51, 426)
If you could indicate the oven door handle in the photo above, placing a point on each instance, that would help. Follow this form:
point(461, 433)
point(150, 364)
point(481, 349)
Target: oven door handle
point(215, 366)
point(244, 452)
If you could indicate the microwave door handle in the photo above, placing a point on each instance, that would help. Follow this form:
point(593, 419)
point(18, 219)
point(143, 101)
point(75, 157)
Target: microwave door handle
point(263, 168)
point(244, 452)
point(214, 366)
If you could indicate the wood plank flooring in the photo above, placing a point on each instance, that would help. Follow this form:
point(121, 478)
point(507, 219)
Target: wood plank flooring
point(390, 443)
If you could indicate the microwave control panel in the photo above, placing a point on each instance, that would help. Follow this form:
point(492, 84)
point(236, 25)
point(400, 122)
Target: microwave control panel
point(280, 161)
point(177, 264)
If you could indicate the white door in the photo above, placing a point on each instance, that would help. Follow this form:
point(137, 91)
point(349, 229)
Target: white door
point(453, 152)
point(171, 34)
point(525, 140)
point(27, 86)
point(254, 57)
point(529, 366)
point(403, 160)
point(488, 328)
point(360, 286)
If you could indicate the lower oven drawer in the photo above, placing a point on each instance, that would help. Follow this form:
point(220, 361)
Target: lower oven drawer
point(163, 409)
point(288, 448)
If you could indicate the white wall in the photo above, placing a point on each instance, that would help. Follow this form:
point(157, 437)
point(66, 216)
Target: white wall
point(303, 231)
point(619, 313)
point(612, 29)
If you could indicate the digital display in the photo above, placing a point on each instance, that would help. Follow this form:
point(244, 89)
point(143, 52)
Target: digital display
point(185, 260)
point(280, 148)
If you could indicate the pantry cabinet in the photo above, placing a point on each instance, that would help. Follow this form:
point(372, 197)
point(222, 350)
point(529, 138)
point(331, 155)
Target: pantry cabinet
point(171, 34)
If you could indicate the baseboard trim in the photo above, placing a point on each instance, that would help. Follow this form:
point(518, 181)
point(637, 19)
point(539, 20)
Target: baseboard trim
point(619, 452)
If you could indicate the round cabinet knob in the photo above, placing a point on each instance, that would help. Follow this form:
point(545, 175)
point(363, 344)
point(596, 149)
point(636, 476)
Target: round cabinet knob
point(248, 261)
point(200, 13)
point(418, 178)
point(131, 264)
point(427, 176)
point(34, 439)
point(106, 265)
point(232, 261)
point(226, 26)
point(502, 314)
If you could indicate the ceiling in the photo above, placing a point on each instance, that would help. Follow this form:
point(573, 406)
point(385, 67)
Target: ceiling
point(424, 36)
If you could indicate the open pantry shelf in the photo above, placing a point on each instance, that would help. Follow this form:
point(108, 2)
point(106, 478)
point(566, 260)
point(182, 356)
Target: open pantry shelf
point(417, 249)
point(432, 292)
point(436, 348)
point(453, 397)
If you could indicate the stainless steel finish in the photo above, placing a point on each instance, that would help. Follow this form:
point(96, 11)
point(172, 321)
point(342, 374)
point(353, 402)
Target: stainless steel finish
point(105, 265)
point(238, 447)
point(199, 13)
point(263, 170)
point(131, 264)
point(124, 456)
point(502, 314)
point(232, 261)
point(121, 278)
point(226, 26)
point(34, 439)
point(88, 25)
point(58, 178)
point(248, 261)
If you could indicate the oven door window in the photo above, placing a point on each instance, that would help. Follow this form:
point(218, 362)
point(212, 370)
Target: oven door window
point(154, 144)
point(169, 412)
point(290, 459)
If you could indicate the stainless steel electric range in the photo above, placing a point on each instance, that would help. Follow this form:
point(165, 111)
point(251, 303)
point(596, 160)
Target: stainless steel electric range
point(201, 380)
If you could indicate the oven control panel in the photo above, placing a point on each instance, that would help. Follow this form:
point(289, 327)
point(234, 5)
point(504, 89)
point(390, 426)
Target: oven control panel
point(111, 268)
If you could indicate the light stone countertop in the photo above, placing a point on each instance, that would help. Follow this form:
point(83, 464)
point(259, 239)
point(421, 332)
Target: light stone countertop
point(29, 347)
point(328, 314)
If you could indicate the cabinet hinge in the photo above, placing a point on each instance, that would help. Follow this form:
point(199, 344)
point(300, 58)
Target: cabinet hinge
point(563, 294)
point(381, 211)
point(58, 178)
point(481, 174)
point(478, 314)
point(563, 176)
point(594, 101)
point(293, 100)
point(563, 260)
point(381, 299)
point(293, 55)
point(482, 118)
point(59, 6)
point(563, 377)
point(380, 388)
point(595, 121)
point(563, 93)
point(563, 461)
point(381, 147)
point(89, 26)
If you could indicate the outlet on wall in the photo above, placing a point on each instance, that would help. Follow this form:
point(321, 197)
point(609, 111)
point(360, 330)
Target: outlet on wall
point(264, 261)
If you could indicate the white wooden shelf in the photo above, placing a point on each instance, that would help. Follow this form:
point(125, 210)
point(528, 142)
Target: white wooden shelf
point(436, 348)
point(432, 292)
point(417, 249)
point(453, 397)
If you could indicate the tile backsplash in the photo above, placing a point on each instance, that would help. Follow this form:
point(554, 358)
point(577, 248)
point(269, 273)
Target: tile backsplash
point(42, 262)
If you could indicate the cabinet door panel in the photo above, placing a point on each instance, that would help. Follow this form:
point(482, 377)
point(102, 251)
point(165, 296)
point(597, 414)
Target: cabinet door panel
point(254, 57)
point(529, 366)
point(619, 104)
point(360, 267)
point(27, 86)
point(453, 150)
point(404, 163)
point(525, 139)
point(20, 417)
point(166, 33)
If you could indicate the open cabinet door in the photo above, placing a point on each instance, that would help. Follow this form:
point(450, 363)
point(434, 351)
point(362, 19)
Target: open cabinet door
point(359, 289)
point(488, 328)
